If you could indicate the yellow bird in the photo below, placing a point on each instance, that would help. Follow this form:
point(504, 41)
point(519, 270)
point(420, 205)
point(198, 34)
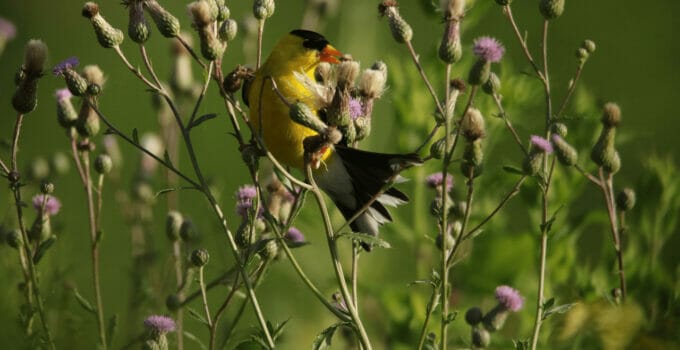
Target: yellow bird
point(350, 177)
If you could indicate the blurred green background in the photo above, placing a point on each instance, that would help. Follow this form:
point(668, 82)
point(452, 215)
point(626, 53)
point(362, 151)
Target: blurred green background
point(636, 64)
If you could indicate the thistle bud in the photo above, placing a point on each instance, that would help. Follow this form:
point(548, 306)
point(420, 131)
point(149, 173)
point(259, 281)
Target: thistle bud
point(269, 249)
point(589, 45)
point(450, 48)
point(223, 11)
point(532, 164)
point(438, 148)
point(302, 114)
point(401, 30)
point(173, 224)
point(173, 302)
point(25, 97)
point(473, 316)
point(138, 27)
point(244, 235)
point(372, 81)
point(471, 164)
point(581, 54)
point(559, 129)
point(14, 239)
point(488, 50)
point(551, 9)
point(66, 113)
point(611, 115)
point(625, 200)
point(263, 9)
point(103, 164)
point(480, 337)
point(75, 83)
point(479, 73)
point(88, 121)
point(604, 154)
point(565, 153)
point(493, 85)
point(347, 73)
point(472, 125)
point(167, 24)
point(187, 231)
point(211, 47)
point(362, 126)
point(450, 242)
point(46, 187)
point(199, 257)
point(107, 35)
point(322, 73)
point(228, 30)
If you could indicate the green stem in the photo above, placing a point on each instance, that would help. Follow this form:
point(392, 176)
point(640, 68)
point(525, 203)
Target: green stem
point(204, 297)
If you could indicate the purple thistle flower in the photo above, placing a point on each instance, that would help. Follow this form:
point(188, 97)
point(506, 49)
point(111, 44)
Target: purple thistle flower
point(542, 144)
point(435, 181)
point(355, 108)
point(247, 192)
point(160, 324)
point(294, 235)
point(63, 94)
point(7, 29)
point(509, 298)
point(243, 206)
point(488, 49)
point(52, 205)
point(68, 63)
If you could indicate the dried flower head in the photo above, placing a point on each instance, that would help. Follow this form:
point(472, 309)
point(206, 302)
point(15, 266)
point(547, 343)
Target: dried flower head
point(7, 29)
point(435, 181)
point(509, 298)
point(294, 235)
point(94, 74)
point(52, 205)
point(541, 144)
point(473, 126)
point(160, 324)
point(62, 66)
point(488, 49)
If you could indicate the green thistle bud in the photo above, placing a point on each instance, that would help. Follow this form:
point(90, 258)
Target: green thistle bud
point(450, 48)
point(302, 114)
point(103, 164)
point(472, 125)
point(66, 113)
point(565, 153)
point(532, 163)
point(604, 153)
point(472, 159)
point(138, 27)
point(19, 75)
point(349, 133)
point(223, 11)
point(173, 225)
point(14, 239)
point(582, 54)
point(167, 24)
point(362, 125)
point(611, 115)
point(559, 129)
point(202, 17)
point(263, 9)
point(35, 56)
point(47, 187)
point(438, 148)
point(473, 316)
point(41, 229)
point(480, 337)
point(199, 257)
point(458, 210)
point(107, 35)
point(401, 30)
point(450, 241)
point(25, 97)
point(228, 30)
point(75, 82)
point(245, 235)
point(589, 45)
point(269, 250)
point(173, 302)
point(480, 72)
point(625, 199)
point(188, 231)
point(551, 9)
point(493, 85)
point(372, 81)
point(88, 121)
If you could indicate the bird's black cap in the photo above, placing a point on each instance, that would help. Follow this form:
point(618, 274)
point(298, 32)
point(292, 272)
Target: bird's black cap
point(311, 40)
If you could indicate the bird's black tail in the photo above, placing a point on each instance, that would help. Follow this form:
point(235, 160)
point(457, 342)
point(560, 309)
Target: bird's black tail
point(355, 177)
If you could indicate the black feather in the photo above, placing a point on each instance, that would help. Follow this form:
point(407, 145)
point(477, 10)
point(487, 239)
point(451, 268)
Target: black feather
point(311, 40)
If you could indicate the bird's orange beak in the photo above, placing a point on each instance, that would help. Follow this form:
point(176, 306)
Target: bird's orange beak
point(330, 54)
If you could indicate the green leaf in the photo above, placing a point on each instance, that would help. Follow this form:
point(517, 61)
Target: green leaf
point(43, 247)
point(83, 302)
point(548, 224)
point(198, 317)
point(558, 309)
point(323, 340)
point(513, 170)
point(278, 330)
point(111, 330)
point(430, 342)
point(198, 121)
point(548, 303)
point(195, 339)
point(451, 317)
point(365, 238)
point(522, 344)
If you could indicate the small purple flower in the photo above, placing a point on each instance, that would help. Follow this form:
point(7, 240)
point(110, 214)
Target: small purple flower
point(294, 235)
point(160, 324)
point(7, 29)
point(68, 63)
point(52, 205)
point(247, 192)
point(542, 144)
point(509, 298)
point(242, 207)
point(435, 181)
point(488, 49)
point(355, 108)
point(62, 94)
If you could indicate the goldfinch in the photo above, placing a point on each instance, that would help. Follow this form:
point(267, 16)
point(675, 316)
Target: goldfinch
point(350, 177)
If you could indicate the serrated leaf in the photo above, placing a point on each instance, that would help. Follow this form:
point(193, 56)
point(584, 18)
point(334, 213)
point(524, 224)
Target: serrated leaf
point(423, 282)
point(323, 340)
point(278, 330)
point(135, 136)
point(548, 303)
point(548, 224)
point(451, 317)
point(111, 329)
point(365, 238)
point(198, 317)
point(512, 170)
point(43, 247)
point(195, 340)
point(198, 121)
point(559, 309)
point(83, 302)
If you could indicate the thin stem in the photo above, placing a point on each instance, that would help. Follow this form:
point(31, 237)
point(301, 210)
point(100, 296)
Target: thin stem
point(191, 50)
point(149, 67)
point(414, 56)
point(503, 202)
point(588, 176)
point(508, 124)
point(608, 191)
point(92, 219)
point(260, 30)
point(507, 10)
point(355, 274)
point(220, 312)
point(571, 90)
point(466, 217)
point(4, 167)
point(134, 70)
point(194, 113)
point(434, 300)
point(339, 275)
point(204, 297)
